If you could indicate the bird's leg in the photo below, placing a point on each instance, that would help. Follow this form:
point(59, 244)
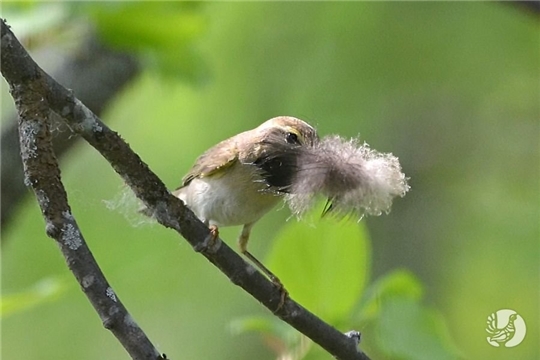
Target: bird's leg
point(242, 244)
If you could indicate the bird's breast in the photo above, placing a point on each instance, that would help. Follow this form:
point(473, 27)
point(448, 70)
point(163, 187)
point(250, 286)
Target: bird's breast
point(236, 197)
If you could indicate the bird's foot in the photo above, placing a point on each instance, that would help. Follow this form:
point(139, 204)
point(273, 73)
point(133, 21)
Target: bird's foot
point(284, 294)
point(211, 242)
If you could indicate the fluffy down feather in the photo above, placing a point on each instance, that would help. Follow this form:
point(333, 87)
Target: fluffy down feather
point(356, 179)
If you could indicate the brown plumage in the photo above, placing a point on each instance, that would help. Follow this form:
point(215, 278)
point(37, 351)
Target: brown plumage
point(240, 179)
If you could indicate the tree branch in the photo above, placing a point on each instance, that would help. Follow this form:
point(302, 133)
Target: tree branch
point(43, 175)
point(96, 73)
point(18, 68)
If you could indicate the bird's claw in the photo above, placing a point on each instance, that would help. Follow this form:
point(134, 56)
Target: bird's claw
point(210, 242)
point(284, 294)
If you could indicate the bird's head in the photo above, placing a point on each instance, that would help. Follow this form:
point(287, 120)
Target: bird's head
point(287, 130)
point(281, 140)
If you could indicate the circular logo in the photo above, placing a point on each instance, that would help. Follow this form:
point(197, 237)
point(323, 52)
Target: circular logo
point(505, 327)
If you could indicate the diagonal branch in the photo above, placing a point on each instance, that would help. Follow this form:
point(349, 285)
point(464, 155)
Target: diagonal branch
point(43, 175)
point(96, 73)
point(18, 68)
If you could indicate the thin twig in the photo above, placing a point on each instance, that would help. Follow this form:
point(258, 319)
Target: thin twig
point(168, 210)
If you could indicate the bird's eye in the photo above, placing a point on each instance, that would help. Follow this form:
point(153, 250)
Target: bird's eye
point(292, 138)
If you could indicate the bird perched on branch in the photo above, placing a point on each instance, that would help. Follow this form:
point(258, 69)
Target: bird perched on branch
point(240, 179)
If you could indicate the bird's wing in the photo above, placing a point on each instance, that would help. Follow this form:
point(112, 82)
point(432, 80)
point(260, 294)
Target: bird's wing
point(492, 324)
point(213, 161)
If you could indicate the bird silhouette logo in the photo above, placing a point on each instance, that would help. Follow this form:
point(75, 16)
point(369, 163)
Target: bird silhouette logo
point(505, 327)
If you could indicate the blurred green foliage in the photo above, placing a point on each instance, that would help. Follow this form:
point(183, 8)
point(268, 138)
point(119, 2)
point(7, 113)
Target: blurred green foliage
point(317, 261)
point(450, 88)
point(48, 289)
point(327, 266)
point(162, 34)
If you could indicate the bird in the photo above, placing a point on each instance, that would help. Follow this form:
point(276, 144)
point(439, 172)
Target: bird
point(504, 334)
point(239, 180)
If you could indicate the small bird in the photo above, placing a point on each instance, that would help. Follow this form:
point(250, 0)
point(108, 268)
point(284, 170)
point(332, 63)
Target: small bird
point(503, 335)
point(240, 179)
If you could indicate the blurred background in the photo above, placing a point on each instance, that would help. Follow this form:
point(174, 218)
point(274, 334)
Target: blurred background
point(452, 89)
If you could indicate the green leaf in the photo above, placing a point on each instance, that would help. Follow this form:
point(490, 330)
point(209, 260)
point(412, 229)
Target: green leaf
point(406, 330)
point(266, 327)
point(46, 290)
point(323, 265)
point(398, 284)
point(282, 339)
